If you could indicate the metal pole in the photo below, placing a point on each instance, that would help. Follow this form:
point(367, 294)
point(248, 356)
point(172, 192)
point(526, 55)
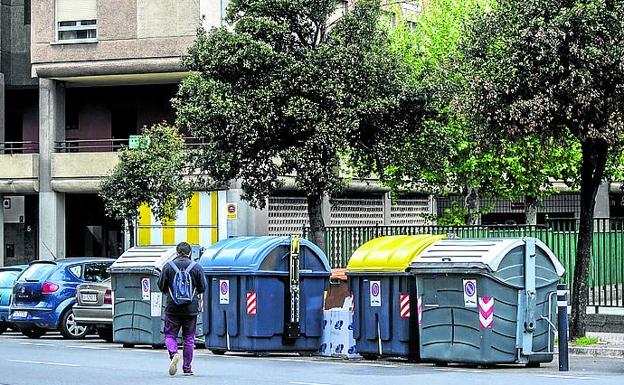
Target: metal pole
point(562, 320)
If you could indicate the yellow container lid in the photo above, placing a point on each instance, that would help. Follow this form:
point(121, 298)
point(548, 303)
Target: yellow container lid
point(391, 253)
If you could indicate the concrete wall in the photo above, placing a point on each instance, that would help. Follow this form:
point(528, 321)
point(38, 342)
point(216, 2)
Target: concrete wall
point(19, 173)
point(127, 30)
point(15, 44)
point(83, 164)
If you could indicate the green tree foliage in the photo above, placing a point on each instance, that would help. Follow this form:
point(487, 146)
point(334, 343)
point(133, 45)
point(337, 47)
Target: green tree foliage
point(552, 69)
point(512, 169)
point(152, 176)
point(298, 89)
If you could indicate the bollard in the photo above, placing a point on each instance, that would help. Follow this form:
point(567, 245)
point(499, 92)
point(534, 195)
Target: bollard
point(562, 320)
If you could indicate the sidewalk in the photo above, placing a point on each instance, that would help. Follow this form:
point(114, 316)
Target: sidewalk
point(609, 345)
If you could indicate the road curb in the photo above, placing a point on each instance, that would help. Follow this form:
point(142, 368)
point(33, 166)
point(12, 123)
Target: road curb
point(597, 351)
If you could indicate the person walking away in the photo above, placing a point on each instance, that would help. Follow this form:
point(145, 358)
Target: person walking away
point(182, 280)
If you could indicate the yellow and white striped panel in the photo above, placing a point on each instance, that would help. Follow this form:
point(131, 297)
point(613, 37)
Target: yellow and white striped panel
point(203, 222)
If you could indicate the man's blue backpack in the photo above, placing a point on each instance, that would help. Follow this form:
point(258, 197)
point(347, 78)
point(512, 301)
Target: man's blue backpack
point(181, 289)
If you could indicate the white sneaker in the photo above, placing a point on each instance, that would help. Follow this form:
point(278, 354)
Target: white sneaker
point(173, 366)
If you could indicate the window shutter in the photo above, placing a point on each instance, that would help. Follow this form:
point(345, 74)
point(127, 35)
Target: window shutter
point(75, 10)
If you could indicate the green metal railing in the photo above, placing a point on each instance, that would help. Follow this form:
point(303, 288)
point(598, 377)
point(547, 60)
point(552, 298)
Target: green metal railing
point(606, 277)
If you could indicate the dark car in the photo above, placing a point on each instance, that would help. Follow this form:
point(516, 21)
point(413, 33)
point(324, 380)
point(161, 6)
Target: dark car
point(8, 275)
point(45, 292)
point(94, 308)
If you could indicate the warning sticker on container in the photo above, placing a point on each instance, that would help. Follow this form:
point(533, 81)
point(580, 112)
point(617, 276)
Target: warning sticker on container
point(145, 289)
point(375, 293)
point(224, 292)
point(156, 304)
point(470, 292)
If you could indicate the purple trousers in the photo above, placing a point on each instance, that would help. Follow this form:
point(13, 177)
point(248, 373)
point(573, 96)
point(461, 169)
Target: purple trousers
point(188, 324)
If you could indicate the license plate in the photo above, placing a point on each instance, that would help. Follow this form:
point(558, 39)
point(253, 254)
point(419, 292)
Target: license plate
point(89, 297)
point(20, 314)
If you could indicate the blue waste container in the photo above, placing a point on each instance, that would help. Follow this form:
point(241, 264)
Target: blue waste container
point(250, 305)
point(384, 324)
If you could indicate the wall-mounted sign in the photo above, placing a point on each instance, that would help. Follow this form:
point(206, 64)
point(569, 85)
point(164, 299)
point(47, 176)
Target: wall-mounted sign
point(232, 211)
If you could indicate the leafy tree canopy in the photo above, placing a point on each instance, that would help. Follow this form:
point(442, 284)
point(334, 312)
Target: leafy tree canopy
point(152, 176)
point(552, 69)
point(294, 88)
point(513, 167)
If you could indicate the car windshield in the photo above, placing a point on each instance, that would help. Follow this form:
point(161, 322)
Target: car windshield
point(37, 271)
point(7, 278)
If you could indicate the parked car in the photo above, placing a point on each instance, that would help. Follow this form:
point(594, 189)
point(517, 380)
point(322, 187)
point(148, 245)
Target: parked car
point(94, 308)
point(8, 275)
point(44, 294)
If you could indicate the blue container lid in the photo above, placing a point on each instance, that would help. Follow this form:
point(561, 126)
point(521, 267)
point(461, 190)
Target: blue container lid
point(265, 254)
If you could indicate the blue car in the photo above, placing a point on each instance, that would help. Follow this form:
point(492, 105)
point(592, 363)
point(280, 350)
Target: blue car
point(45, 292)
point(8, 275)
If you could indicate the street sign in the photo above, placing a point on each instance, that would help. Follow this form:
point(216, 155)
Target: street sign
point(224, 292)
point(232, 211)
point(375, 293)
point(145, 289)
point(470, 292)
point(139, 142)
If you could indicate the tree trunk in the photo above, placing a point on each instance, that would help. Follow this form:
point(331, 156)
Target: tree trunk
point(530, 210)
point(592, 172)
point(317, 225)
point(473, 205)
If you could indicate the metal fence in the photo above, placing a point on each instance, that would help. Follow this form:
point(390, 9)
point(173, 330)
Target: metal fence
point(606, 278)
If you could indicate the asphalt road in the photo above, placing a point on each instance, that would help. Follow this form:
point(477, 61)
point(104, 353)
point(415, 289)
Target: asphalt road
point(52, 360)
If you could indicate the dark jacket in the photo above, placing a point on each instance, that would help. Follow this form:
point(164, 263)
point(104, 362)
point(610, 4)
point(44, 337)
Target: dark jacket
point(199, 284)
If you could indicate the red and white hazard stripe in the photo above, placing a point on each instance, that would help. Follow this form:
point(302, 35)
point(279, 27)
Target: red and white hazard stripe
point(486, 312)
point(405, 305)
point(252, 306)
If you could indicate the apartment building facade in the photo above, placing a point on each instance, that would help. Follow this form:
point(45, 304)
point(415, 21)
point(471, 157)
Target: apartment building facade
point(77, 79)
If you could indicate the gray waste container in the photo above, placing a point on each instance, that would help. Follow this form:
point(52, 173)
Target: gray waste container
point(138, 306)
point(487, 301)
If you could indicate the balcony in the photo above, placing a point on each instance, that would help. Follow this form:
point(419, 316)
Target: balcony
point(78, 166)
point(19, 167)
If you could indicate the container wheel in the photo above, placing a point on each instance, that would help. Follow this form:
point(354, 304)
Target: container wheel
point(128, 346)
point(440, 364)
point(533, 365)
point(217, 352)
point(306, 354)
point(370, 356)
point(158, 346)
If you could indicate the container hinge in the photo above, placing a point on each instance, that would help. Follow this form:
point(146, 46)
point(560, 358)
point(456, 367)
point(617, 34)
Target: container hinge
point(293, 326)
point(530, 296)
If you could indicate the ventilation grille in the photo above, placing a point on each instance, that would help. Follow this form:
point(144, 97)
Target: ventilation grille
point(407, 212)
point(357, 211)
point(287, 215)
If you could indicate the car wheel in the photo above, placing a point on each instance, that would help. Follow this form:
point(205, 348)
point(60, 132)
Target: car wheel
point(3, 327)
point(34, 332)
point(106, 334)
point(71, 329)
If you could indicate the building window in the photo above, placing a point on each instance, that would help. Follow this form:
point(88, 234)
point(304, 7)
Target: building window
point(76, 21)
